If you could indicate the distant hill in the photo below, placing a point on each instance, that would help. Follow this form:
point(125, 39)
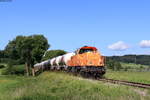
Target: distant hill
point(137, 59)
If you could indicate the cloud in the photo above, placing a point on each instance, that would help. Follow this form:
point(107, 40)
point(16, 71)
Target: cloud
point(120, 45)
point(145, 44)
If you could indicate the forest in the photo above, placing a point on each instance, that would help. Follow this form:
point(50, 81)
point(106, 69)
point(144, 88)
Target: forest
point(137, 59)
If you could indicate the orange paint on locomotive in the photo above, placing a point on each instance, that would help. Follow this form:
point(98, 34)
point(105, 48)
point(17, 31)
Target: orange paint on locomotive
point(87, 56)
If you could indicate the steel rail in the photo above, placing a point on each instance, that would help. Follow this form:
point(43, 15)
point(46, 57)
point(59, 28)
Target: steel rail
point(122, 82)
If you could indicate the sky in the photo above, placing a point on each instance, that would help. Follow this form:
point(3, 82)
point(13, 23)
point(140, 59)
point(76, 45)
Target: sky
point(115, 27)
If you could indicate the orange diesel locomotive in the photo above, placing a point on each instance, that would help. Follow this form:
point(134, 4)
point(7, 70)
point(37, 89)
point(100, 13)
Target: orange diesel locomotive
point(86, 61)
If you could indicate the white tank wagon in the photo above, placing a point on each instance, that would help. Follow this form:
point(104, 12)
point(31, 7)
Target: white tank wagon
point(37, 67)
point(58, 62)
point(46, 64)
point(42, 66)
point(52, 63)
point(66, 58)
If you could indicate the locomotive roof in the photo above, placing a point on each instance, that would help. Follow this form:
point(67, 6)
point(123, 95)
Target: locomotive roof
point(88, 47)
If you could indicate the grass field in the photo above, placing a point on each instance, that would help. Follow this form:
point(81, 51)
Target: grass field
point(130, 76)
point(134, 66)
point(62, 86)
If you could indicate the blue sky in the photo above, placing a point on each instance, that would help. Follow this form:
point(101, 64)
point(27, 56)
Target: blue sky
point(70, 24)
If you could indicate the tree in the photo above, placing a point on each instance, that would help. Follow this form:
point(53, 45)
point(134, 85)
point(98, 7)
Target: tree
point(33, 49)
point(12, 49)
point(114, 65)
point(137, 59)
point(117, 66)
point(110, 63)
point(53, 53)
point(28, 48)
point(1, 54)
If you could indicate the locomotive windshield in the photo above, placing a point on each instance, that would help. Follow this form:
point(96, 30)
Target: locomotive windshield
point(85, 50)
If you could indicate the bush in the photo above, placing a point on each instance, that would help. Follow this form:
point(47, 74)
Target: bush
point(8, 69)
point(117, 66)
point(14, 62)
point(13, 70)
point(2, 66)
point(114, 65)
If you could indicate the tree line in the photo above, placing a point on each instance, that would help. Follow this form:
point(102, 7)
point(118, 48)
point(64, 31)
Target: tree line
point(137, 59)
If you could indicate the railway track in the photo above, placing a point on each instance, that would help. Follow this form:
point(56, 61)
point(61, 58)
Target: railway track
point(128, 83)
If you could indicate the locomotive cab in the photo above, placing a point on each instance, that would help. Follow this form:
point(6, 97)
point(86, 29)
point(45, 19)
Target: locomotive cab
point(86, 49)
point(87, 61)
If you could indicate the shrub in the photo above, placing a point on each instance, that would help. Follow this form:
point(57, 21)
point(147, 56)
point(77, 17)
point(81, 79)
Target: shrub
point(2, 66)
point(13, 70)
point(114, 65)
point(8, 69)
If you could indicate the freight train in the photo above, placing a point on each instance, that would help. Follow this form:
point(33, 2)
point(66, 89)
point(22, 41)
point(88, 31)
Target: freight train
point(86, 61)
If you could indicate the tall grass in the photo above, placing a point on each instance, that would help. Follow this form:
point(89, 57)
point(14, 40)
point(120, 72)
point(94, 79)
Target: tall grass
point(134, 66)
point(62, 86)
point(130, 76)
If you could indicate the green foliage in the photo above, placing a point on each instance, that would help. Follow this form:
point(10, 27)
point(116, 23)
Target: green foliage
point(33, 48)
point(60, 86)
point(13, 70)
point(12, 48)
point(137, 59)
point(27, 49)
point(8, 70)
point(53, 53)
point(2, 54)
point(134, 67)
point(117, 66)
point(2, 66)
point(114, 65)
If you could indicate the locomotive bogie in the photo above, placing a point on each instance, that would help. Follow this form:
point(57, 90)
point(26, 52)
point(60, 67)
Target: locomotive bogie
point(88, 71)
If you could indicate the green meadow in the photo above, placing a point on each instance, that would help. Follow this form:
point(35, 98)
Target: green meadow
point(63, 86)
point(129, 76)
